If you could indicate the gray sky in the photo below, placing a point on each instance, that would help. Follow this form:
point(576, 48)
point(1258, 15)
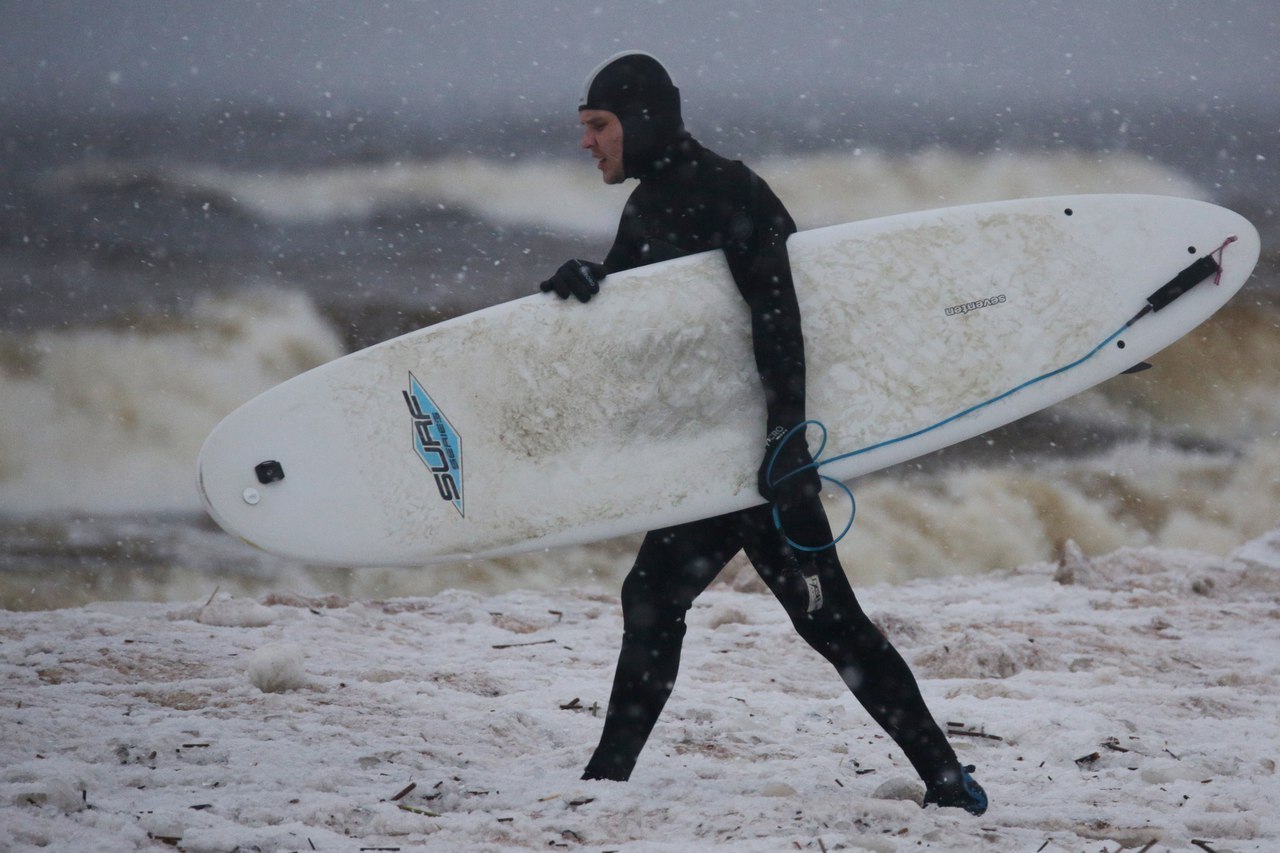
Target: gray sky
point(469, 56)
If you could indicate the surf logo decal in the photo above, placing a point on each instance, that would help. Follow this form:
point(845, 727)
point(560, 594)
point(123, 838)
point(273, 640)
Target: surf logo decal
point(437, 444)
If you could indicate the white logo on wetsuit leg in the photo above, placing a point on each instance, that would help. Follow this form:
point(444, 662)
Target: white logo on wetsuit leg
point(814, 587)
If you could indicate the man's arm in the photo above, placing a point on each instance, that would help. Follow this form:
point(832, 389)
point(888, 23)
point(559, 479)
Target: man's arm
point(756, 250)
point(761, 269)
point(582, 279)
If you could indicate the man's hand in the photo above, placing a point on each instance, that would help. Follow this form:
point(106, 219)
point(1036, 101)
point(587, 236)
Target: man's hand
point(577, 278)
point(775, 480)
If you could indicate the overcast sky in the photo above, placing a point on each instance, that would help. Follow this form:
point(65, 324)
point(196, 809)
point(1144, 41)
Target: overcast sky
point(468, 56)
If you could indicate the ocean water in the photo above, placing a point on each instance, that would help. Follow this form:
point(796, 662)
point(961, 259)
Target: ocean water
point(156, 271)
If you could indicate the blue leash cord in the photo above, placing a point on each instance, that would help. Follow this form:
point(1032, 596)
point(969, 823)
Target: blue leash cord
point(818, 462)
point(768, 474)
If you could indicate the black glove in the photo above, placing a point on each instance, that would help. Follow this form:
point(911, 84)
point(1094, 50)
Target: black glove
point(579, 278)
point(780, 459)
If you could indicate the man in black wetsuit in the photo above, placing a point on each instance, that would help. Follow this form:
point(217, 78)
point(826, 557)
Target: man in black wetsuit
point(693, 200)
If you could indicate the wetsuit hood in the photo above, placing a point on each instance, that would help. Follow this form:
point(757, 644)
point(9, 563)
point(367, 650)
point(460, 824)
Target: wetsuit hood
point(635, 87)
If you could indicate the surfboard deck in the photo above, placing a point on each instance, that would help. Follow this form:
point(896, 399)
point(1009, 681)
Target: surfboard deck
point(541, 423)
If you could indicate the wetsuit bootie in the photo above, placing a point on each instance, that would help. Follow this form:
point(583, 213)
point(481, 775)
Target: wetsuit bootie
point(957, 790)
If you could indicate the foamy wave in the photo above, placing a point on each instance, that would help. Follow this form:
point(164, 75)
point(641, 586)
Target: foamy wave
point(1219, 381)
point(551, 194)
point(566, 195)
point(975, 519)
point(111, 421)
point(826, 189)
point(534, 193)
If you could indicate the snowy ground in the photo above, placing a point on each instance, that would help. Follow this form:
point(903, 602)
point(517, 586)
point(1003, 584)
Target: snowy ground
point(1127, 701)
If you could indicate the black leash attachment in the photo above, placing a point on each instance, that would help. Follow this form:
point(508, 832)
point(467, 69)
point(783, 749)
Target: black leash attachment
point(1199, 270)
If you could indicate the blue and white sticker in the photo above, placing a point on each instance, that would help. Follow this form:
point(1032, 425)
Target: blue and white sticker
point(437, 444)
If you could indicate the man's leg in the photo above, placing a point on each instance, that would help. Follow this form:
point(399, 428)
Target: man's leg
point(673, 567)
point(842, 633)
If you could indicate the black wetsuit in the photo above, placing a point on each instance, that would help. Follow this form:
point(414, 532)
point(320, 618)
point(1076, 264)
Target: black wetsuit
point(691, 200)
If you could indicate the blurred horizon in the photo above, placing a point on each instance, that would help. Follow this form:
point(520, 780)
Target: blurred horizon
point(529, 58)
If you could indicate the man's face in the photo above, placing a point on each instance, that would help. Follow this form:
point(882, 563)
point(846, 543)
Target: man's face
point(602, 136)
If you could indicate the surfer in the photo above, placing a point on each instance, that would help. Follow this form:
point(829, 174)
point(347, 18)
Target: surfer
point(690, 200)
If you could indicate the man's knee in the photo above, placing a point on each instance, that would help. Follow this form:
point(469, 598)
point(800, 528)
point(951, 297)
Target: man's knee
point(661, 592)
point(647, 607)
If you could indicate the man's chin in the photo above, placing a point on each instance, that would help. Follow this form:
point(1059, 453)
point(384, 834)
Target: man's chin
point(610, 174)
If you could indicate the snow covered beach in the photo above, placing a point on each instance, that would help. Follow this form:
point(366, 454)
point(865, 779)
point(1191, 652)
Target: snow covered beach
point(1125, 701)
point(201, 202)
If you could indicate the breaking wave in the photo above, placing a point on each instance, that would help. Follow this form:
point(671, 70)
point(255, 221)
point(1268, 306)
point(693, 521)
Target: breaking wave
point(108, 418)
point(566, 195)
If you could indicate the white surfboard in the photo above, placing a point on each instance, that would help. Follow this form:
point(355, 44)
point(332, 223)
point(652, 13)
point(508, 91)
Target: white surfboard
point(542, 423)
